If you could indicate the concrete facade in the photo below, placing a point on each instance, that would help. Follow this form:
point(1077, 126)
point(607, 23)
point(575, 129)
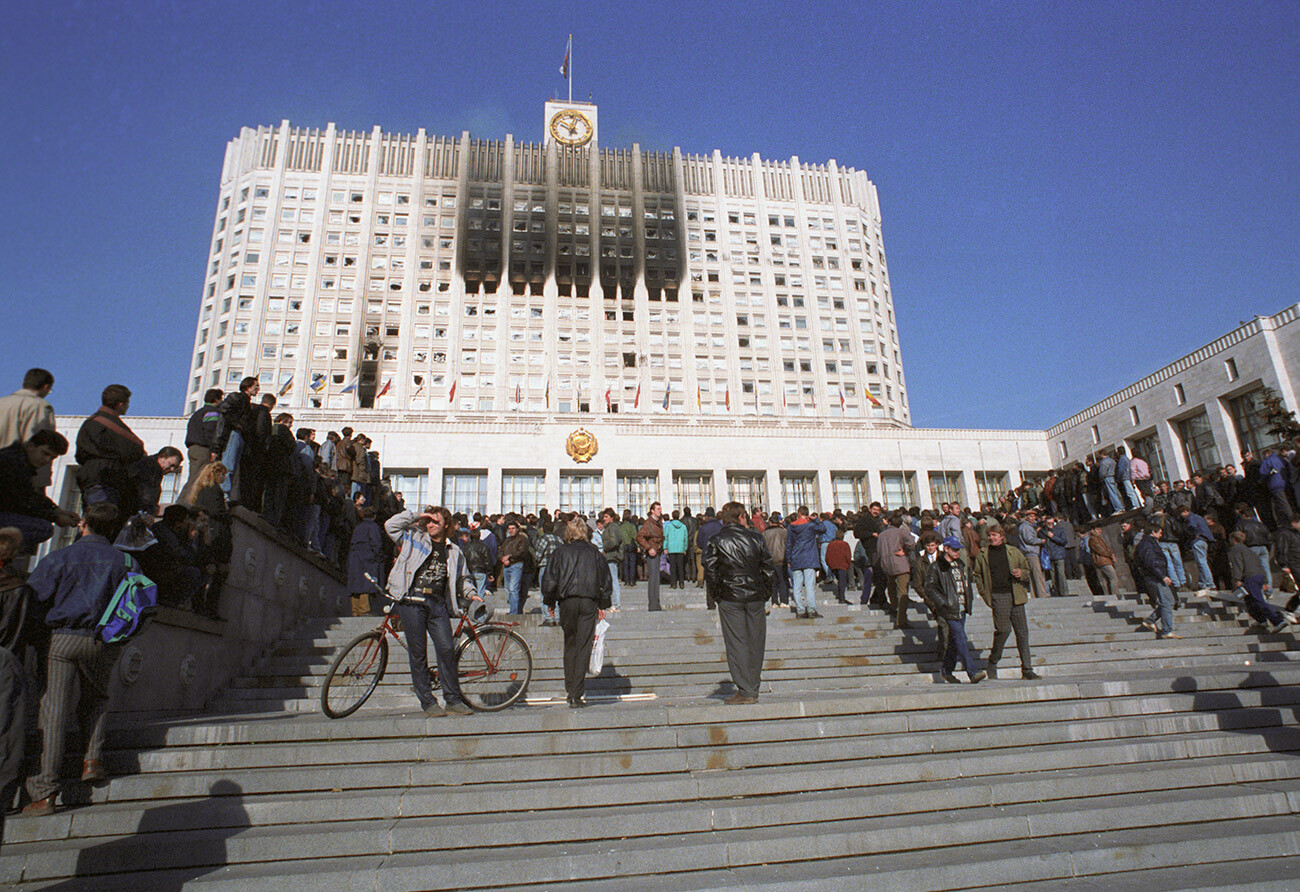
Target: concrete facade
point(1197, 408)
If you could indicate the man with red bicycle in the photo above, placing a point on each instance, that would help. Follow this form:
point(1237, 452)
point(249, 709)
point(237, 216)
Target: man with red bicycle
point(431, 570)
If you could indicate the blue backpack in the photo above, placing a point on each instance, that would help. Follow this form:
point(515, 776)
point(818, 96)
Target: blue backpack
point(131, 608)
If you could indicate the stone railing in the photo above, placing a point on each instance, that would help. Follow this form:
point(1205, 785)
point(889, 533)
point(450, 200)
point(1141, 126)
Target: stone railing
point(182, 660)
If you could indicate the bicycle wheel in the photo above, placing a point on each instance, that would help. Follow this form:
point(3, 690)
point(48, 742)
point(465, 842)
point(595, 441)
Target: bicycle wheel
point(354, 674)
point(495, 668)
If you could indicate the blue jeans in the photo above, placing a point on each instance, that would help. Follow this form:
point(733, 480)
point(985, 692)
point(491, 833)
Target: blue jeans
point(1163, 601)
point(841, 584)
point(958, 648)
point(1131, 493)
point(34, 530)
point(514, 577)
point(616, 597)
point(480, 583)
point(805, 589)
point(230, 458)
point(1112, 495)
point(821, 552)
point(1256, 604)
point(1262, 551)
point(780, 586)
point(1174, 558)
point(421, 622)
point(1200, 548)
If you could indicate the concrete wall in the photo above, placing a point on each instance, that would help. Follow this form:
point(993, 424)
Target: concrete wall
point(182, 660)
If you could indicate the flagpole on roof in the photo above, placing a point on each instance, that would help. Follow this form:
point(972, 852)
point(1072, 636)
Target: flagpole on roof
point(569, 56)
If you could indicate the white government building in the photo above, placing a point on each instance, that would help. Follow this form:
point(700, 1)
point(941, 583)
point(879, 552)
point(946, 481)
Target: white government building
point(715, 328)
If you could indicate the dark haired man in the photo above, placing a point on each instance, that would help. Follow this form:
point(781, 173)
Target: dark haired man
point(738, 572)
point(106, 450)
point(26, 411)
point(200, 432)
point(228, 443)
point(77, 583)
point(22, 503)
point(432, 569)
point(148, 474)
point(650, 538)
point(948, 595)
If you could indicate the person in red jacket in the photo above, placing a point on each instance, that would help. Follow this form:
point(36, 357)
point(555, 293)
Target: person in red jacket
point(839, 558)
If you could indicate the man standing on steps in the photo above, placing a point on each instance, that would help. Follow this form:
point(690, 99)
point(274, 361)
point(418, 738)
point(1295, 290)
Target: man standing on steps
point(1000, 574)
point(947, 593)
point(1154, 570)
point(650, 538)
point(433, 569)
point(738, 572)
point(577, 580)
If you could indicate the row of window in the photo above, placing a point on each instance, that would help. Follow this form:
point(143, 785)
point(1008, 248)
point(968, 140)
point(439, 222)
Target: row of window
point(525, 490)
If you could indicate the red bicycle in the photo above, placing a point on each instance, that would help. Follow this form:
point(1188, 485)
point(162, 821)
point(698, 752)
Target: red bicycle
point(495, 665)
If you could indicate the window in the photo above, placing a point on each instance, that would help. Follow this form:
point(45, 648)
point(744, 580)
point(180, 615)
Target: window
point(693, 490)
point(581, 491)
point(748, 488)
point(523, 491)
point(1148, 448)
point(1247, 413)
point(1199, 447)
point(413, 484)
point(946, 486)
point(1095, 433)
point(464, 491)
point(1133, 416)
point(798, 489)
point(1230, 366)
point(1179, 395)
point(851, 491)
point(898, 489)
point(637, 490)
point(991, 486)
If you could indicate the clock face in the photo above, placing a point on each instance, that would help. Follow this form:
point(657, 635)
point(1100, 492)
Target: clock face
point(572, 128)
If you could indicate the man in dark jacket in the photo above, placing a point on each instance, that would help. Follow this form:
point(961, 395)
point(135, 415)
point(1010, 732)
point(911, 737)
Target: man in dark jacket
point(948, 595)
point(106, 449)
point(252, 468)
point(867, 528)
point(22, 505)
point(200, 432)
point(1154, 570)
point(147, 476)
point(577, 580)
point(738, 571)
point(1288, 556)
point(278, 464)
point(228, 443)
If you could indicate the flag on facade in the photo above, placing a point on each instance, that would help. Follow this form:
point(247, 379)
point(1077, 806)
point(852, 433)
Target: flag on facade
point(726, 398)
point(288, 386)
point(607, 399)
point(351, 386)
point(451, 394)
point(519, 394)
point(318, 382)
point(548, 393)
point(668, 389)
point(841, 400)
point(387, 384)
point(875, 402)
point(636, 403)
point(697, 397)
point(419, 389)
point(564, 66)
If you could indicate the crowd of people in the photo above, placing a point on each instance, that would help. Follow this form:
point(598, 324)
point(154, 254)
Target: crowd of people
point(1234, 530)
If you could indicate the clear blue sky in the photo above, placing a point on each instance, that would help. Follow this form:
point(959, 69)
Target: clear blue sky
point(1073, 194)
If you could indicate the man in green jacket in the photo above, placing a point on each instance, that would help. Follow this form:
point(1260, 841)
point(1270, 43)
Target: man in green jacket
point(1000, 574)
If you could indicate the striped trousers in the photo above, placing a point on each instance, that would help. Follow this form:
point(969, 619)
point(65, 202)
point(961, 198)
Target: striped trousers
point(70, 656)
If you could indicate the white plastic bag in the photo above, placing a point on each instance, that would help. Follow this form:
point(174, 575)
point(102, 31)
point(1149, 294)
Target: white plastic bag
point(598, 649)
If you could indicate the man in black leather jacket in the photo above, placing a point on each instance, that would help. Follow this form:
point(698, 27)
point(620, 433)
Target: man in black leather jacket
point(577, 579)
point(948, 595)
point(738, 573)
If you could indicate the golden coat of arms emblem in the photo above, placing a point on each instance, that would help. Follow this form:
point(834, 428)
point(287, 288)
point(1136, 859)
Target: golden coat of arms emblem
point(581, 445)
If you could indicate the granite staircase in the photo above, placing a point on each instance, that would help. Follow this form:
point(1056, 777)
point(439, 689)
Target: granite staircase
point(1134, 764)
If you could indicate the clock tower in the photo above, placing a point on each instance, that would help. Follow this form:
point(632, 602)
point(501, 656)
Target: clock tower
point(570, 124)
